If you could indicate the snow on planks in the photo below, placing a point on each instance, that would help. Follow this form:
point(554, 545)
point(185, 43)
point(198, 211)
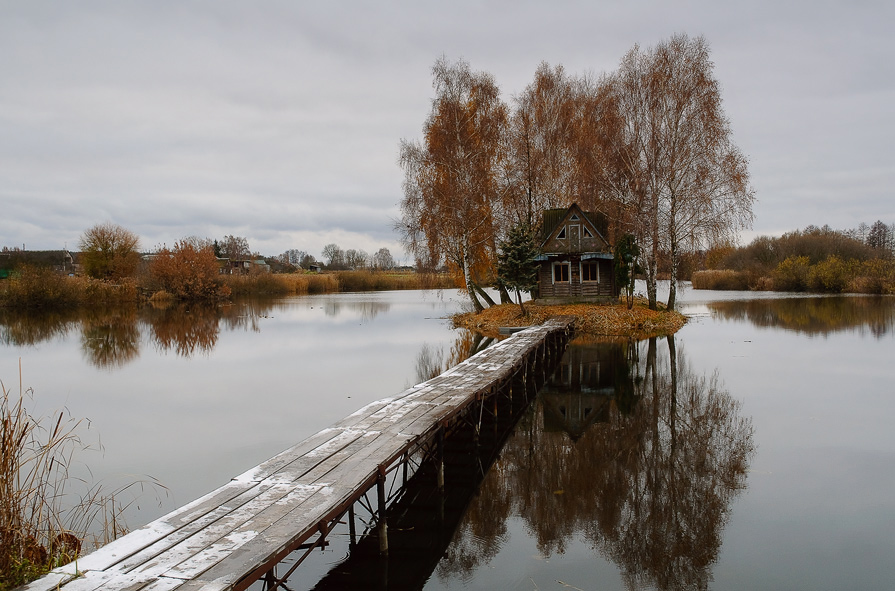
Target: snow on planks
point(230, 537)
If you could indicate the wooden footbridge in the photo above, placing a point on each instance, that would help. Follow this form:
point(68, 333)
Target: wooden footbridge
point(237, 534)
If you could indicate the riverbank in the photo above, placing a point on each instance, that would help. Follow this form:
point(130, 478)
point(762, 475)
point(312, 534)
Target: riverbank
point(44, 288)
point(591, 319)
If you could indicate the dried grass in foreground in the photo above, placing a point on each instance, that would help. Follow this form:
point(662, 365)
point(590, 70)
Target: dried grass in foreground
point(591, 319)
point(43, 522)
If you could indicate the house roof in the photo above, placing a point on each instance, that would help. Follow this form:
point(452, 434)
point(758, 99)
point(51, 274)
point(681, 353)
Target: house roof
point(552, 218)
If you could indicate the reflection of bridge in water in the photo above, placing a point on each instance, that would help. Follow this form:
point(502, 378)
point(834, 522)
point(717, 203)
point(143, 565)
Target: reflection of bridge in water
point(239, 533)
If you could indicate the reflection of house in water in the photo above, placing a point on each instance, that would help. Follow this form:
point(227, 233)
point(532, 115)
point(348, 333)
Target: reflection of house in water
point(587, 382)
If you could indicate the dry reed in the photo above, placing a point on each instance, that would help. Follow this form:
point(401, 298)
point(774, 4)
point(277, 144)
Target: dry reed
point(43, 523)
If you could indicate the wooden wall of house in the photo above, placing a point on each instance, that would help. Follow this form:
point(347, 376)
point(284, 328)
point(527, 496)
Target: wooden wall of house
point(575, 287)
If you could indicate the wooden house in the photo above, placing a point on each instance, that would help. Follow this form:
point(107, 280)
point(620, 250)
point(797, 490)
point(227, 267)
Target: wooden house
point(576, 260)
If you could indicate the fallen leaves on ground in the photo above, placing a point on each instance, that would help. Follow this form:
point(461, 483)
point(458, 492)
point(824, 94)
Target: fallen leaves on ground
point(591, 319)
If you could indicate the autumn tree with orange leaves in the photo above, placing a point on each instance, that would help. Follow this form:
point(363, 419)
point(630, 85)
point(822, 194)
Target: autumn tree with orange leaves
point(561, 145)
point(452, 177)
point(189, 271)
point(649, 147)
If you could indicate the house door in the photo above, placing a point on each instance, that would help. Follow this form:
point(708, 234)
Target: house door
point(574, 238)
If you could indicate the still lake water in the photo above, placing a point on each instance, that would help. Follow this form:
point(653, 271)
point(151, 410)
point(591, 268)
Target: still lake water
point(767, 462)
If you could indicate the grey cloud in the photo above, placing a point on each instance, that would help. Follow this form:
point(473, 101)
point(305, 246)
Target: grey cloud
point(281, 120)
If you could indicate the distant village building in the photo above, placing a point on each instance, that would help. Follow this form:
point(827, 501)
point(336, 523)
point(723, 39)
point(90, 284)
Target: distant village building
point(242, 267)
point(576, 260)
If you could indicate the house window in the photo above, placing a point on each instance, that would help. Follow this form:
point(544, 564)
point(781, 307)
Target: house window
point(574, 217)
point(560, 272)
point(590, 272)
point(562, 233)
point(587, 233)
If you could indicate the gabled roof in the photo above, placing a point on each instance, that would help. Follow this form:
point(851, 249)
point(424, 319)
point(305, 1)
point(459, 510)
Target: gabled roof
point(554, 218)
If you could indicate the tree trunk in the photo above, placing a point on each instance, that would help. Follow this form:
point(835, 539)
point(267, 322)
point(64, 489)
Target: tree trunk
point(650, 271)
point(504, 295)
point(484, 294)
point(673, 246)
point(470, 286)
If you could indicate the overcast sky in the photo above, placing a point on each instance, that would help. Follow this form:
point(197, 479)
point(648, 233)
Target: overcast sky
point(280, 121)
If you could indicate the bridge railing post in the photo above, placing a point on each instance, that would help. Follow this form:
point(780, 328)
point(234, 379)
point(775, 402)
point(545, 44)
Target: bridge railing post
point(383, 525)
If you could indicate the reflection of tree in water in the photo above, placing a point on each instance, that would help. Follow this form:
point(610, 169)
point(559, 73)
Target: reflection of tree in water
point(25, 328)
point(248, 312)
point(430, 362)
point(483, 530)
point(686, 459)
point(185, 329)
point(650, 488)
point(110, 338)
point(819, 315)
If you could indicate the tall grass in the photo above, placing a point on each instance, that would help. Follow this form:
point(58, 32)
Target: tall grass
point(720, 279)
point(281, 285)
point(385, 281)
point(43, 522)
point(43, 288)
point(340, 281)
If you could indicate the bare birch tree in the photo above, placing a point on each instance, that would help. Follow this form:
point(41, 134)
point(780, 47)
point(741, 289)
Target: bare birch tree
point(686, 184)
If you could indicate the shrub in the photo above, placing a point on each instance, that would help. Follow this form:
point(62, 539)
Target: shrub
point(187, 273)
point(830, 275)
point(874, 277)
point(792, 274)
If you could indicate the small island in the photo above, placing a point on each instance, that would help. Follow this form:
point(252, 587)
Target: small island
point(596, 320)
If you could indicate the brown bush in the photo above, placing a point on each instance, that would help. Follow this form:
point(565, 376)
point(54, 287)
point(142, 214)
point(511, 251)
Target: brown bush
point(187, 273)
point(792, 274)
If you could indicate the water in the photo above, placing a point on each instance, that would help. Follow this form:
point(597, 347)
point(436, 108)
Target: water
point(192, 397)
point(602, 484)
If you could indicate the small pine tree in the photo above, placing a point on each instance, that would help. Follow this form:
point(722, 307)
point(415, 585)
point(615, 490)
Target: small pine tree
point(517, 269)
point(626, 253)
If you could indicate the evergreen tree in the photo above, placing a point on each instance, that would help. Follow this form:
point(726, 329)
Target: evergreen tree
point(626, 253)
point(517, 268)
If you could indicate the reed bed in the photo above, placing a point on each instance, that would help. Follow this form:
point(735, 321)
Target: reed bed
point(43, 522)
point(267, 284)
point(388, 281)
point(339, 281)
point(44, 288)
point(725, 279)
